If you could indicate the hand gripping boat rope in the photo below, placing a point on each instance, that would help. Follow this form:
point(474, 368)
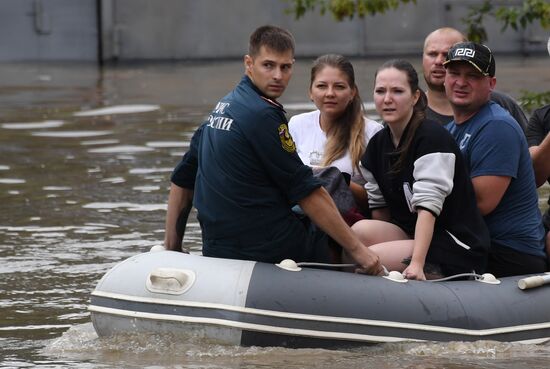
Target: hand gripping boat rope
point(395, 276)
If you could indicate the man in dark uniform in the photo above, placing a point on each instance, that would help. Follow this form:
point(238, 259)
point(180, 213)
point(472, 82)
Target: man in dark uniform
point(243, 174)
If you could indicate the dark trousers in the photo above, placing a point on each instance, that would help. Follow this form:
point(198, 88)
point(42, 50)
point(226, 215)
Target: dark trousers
point(504, 262)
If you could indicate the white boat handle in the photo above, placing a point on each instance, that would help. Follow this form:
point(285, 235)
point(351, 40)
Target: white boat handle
point(534, 281)
point(170, 281)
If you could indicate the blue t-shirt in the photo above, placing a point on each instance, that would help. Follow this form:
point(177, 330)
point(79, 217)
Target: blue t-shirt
point(248, 177)
point(493, 144)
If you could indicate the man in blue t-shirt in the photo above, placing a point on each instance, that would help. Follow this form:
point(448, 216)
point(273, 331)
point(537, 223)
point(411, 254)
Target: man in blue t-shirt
point(497, 155)
point(436, 48)
point(243, 174)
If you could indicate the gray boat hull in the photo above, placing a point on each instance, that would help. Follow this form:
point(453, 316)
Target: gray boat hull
point(247, 303)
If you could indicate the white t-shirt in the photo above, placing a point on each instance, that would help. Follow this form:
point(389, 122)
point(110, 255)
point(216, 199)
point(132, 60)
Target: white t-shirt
point(310, 141)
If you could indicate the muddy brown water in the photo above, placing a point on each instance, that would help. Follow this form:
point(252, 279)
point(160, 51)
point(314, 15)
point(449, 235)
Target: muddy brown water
point(81, 192)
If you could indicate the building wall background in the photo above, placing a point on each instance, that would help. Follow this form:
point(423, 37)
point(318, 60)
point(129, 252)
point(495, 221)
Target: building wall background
point(48, 30)
point(127, 30)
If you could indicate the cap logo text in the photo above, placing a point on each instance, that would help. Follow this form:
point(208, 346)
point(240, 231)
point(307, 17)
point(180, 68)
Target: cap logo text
point(465, 52)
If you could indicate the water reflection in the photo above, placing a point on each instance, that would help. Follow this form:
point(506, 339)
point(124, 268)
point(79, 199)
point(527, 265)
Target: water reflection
point(85, 160)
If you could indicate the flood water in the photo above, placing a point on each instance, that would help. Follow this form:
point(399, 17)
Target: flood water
point(82, 188)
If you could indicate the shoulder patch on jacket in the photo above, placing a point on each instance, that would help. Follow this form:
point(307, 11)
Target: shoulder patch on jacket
point(286, 139)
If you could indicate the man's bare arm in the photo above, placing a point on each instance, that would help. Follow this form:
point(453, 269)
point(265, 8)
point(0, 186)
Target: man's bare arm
point(180, 202)
point(320, 208)
point(540, 155)
point(489, 191)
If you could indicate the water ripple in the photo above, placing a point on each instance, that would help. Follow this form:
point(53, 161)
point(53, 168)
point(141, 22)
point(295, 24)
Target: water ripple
point(99, 142)
point(124, 205)
point(150, 170)
point(71, 134)
point(121, 149)
point(57, 188)
point(11, 181)
point(169, 144)
point(119, 109)
point(34, 125)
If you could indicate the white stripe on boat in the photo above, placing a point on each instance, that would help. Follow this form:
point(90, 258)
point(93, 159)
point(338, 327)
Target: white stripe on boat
point(299, 316)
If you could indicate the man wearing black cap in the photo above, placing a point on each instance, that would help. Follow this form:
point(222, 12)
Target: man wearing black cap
point(495, 149)
point(436, 47)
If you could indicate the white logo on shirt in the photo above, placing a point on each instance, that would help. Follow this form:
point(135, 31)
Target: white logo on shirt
point(222, 123)
point(315, 157)
point(220, 107)
point(407, 191)
point(464, 141)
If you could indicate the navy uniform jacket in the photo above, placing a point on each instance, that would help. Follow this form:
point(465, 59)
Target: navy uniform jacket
point(248, 176)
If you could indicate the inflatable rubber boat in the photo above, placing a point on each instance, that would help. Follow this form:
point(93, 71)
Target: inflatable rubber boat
point(249, 303)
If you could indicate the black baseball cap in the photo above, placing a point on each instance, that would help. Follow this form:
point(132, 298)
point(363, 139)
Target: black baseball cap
point(478, 55)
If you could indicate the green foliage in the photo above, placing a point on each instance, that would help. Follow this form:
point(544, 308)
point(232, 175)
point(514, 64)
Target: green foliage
point(516, 17)
point(528, 13)
point(300, 7)
point(474, 22)
point(342, 9)
point(530, 101)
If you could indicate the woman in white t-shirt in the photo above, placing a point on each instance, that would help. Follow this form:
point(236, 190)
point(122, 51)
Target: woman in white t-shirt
point(337, 133)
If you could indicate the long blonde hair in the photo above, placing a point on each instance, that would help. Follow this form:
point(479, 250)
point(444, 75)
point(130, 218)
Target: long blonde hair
point(347, 134)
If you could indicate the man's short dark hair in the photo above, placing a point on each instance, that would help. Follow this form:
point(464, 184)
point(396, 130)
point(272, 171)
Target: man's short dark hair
point(272, 37)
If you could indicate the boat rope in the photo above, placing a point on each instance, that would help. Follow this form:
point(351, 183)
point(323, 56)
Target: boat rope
point(326, 265)
point(456, 276)
point(351, 265)
point(478, 277)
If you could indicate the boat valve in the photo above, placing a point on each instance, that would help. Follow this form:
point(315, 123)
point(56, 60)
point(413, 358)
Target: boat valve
point(488, 278)
point(396, 276)
point(290, 265)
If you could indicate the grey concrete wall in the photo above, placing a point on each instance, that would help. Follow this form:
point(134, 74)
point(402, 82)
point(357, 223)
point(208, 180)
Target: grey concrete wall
point(190, 29)
point(48, 30)
point(208, 29)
